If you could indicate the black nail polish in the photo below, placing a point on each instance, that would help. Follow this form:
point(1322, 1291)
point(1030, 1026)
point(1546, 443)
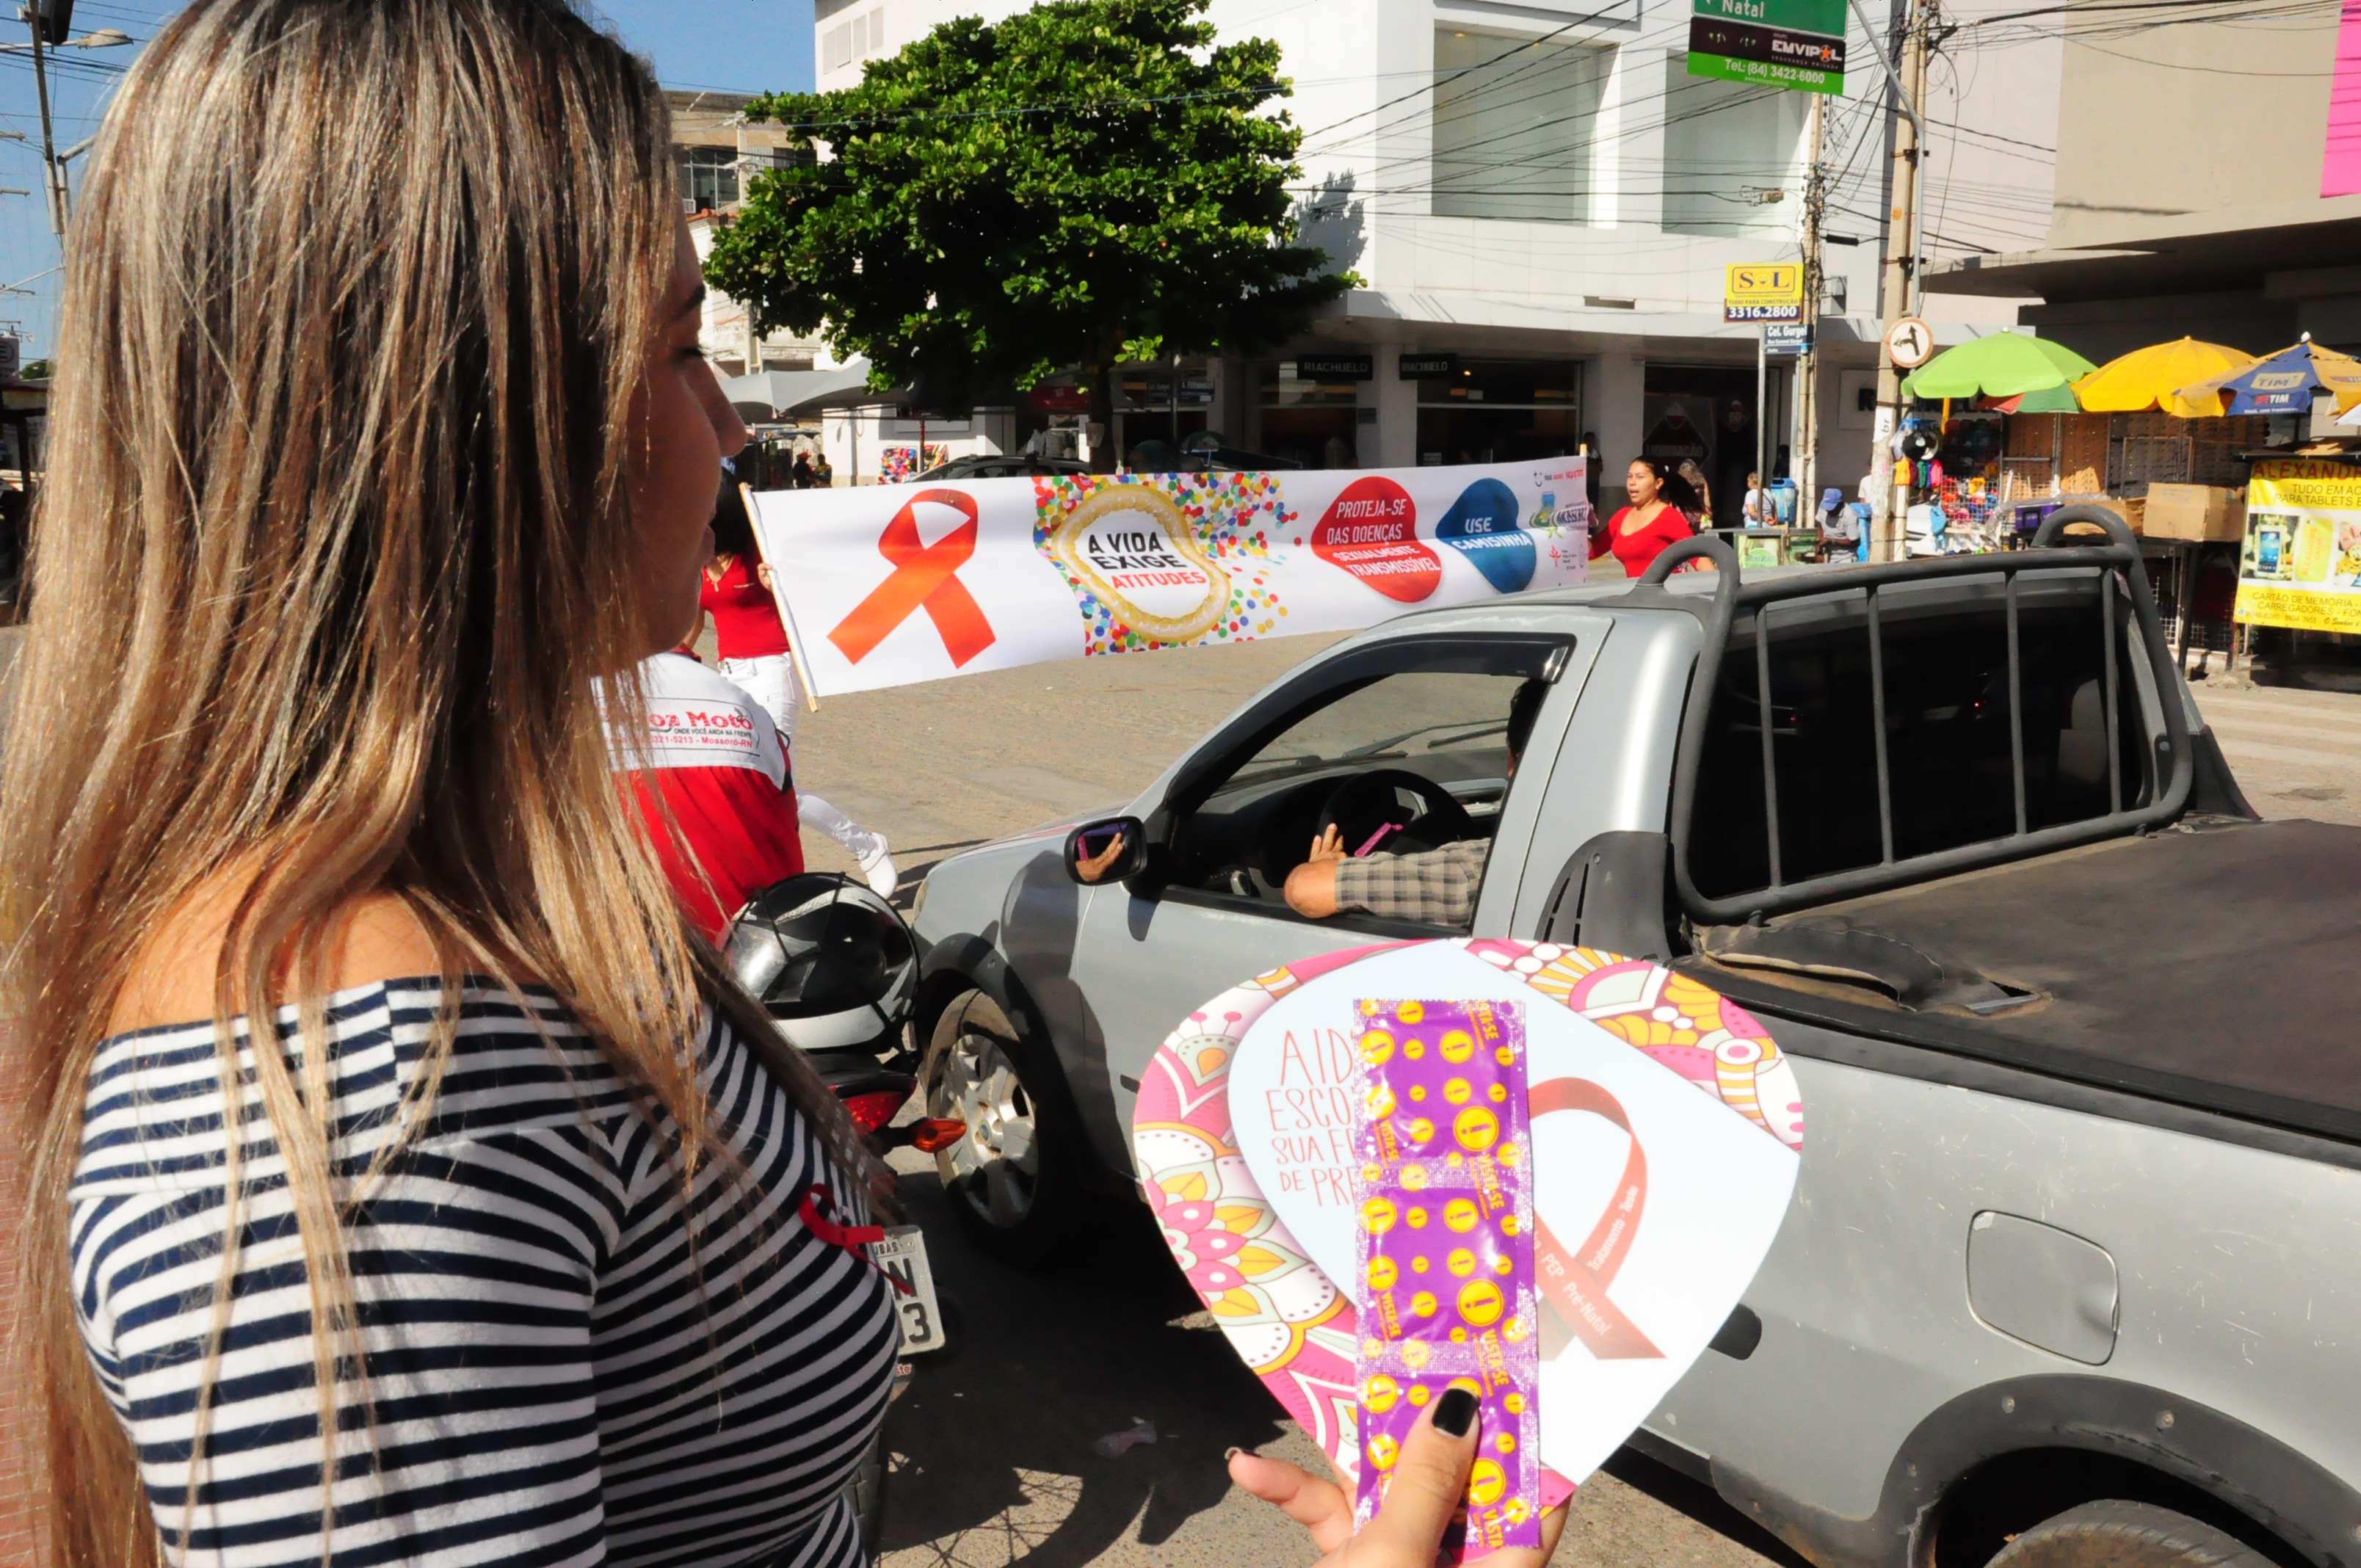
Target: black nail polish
point(1455, 1412)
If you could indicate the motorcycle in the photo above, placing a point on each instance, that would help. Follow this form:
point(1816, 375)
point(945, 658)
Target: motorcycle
point(837, 969)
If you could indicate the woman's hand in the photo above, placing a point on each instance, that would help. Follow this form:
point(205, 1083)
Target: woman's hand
point(1429, 1482)
point(763, 571)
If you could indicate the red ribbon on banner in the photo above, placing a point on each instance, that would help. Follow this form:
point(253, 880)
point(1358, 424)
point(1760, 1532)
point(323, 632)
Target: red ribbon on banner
point(1574, 1284)
point(924, 577)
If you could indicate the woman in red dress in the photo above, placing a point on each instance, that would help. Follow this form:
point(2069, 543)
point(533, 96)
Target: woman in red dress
point(736, 592)
point(1640, 532)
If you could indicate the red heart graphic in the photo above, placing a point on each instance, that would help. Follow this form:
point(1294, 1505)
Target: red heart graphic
point(1371, 530)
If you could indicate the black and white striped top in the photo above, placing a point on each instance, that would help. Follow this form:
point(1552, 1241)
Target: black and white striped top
point(554, 1378)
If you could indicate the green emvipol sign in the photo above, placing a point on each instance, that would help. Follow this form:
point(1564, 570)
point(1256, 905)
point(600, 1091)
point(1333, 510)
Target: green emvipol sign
point(1772, 43)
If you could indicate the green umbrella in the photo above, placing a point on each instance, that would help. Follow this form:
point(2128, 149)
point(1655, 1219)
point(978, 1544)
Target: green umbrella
point(2001, 365)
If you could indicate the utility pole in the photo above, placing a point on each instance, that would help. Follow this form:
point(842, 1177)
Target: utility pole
point(1891, 504)
point(55, 176)
point(1807, 363)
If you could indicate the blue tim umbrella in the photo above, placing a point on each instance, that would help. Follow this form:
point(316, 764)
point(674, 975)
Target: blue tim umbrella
point(2283, 383)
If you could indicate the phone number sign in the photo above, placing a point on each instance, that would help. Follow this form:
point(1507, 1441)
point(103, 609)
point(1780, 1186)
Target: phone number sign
point(1763, 291)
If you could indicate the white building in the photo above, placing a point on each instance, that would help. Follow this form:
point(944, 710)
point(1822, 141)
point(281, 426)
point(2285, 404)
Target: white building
point(1541, 203)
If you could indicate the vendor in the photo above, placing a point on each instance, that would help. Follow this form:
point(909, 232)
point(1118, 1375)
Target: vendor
point(1434, 887)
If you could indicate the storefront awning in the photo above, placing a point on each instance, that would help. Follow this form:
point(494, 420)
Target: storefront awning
point(782, 394)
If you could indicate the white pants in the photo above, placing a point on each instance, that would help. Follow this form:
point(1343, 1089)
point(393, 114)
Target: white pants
point(772, 682)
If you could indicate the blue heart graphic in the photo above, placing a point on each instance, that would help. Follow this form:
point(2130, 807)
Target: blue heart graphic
point(1482, 525)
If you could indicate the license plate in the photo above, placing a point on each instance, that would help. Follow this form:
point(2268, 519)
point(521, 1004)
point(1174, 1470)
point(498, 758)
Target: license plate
point(903, 1256)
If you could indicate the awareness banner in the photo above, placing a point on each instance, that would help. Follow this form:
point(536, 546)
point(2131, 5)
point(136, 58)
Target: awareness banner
point(2300, 565)
point(886, 584)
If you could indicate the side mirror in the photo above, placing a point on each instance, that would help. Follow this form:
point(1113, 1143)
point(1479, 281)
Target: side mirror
point(1091, 842)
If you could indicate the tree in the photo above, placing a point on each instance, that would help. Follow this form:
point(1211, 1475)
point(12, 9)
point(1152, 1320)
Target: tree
point(1086, 183)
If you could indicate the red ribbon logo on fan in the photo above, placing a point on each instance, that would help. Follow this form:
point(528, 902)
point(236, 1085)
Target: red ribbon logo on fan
point(1574, 1284)
point(1371, 530)
point(924, 577)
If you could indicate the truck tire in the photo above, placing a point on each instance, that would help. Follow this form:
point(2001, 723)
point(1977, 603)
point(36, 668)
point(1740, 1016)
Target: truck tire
point(2127, 1535)
point(1011, 1178)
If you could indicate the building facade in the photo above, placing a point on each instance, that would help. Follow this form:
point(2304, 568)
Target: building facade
point(1541, 203)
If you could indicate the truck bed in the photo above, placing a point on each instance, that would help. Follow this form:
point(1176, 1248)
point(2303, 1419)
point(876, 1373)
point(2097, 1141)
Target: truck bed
point(2214, 965)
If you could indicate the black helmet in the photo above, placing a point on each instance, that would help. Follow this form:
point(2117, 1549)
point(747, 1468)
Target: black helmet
point(830, 960)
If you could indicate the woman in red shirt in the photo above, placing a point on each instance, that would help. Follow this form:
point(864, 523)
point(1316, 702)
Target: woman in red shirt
point(1640, 532)
point(736, 592)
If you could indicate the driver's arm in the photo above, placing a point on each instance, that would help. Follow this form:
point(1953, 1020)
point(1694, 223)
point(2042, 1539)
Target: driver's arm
point(1437, 887)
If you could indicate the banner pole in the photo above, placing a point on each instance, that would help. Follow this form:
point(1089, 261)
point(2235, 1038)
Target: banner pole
point(795, 632)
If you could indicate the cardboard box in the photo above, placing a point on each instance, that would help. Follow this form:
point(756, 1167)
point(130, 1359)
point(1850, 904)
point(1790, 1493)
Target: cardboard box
point(2131, 510)
point(2214, 513)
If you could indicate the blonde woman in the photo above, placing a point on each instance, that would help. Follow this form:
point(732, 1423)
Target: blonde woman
point(383, 447)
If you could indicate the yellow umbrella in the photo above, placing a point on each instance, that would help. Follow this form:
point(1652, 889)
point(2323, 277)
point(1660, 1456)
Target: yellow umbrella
point(2151, 377)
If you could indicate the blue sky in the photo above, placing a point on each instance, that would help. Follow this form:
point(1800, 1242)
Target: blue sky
point(742, 45)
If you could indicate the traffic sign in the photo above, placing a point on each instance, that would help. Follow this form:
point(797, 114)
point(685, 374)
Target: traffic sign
point(1909, 343)
point(1763, 291)
point(1798, 44)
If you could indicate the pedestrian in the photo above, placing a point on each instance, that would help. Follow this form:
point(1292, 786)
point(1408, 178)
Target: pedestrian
point(1641, 532)
point(528, 1239)
point(823, 472)
point(1757, 505)
point(799, 473)
point(738, 593)
point(711, 767)
point(1693, 476)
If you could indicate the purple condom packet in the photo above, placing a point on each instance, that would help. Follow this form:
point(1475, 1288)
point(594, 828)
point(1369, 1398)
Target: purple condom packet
point(1445, 1254)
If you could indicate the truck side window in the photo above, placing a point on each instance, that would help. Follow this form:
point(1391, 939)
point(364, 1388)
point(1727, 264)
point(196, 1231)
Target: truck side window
point(1947, 736)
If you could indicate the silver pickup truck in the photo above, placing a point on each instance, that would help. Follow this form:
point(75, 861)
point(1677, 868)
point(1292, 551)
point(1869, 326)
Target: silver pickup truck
point(2073, 1275)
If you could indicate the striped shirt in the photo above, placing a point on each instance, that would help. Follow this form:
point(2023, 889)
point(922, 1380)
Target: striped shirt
point(555, 1377)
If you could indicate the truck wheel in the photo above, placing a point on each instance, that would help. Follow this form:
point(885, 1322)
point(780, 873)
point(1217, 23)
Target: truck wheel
point(1011, 1178)
point(2127, 1535)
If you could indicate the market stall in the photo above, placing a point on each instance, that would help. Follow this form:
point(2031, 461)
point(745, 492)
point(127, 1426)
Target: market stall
point(1970, 461)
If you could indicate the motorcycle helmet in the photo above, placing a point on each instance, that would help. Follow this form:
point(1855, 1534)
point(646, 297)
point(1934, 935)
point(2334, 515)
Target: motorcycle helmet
point(828, 958)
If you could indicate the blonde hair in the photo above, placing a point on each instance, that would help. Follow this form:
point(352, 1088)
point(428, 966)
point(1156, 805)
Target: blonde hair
point(333, 556)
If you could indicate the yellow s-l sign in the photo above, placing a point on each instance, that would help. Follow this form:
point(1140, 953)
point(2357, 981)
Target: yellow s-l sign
point(1765, 283)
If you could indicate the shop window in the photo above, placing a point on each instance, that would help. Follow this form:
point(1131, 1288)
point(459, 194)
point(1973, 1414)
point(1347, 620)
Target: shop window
point(1524, 383)
point(1501, 410)
point(1283, 386)
point(1515, 128)
point(1726, 144)
point(1148, 387)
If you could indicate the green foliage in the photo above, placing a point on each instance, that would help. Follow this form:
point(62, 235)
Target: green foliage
point(1086, 183)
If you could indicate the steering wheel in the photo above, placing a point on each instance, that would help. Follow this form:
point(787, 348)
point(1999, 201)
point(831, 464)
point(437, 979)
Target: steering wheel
point(1366, 804)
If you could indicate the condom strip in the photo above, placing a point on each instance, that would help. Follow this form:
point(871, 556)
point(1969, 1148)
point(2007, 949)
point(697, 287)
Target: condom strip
point(1446, 1250)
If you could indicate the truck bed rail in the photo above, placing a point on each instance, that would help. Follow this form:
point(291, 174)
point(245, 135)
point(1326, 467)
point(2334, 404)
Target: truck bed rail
point(2115, 561)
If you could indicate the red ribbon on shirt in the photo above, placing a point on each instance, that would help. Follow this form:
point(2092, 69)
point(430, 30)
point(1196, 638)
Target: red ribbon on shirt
point(1574, 1284)
point(816, 1207)
point(924, 577)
